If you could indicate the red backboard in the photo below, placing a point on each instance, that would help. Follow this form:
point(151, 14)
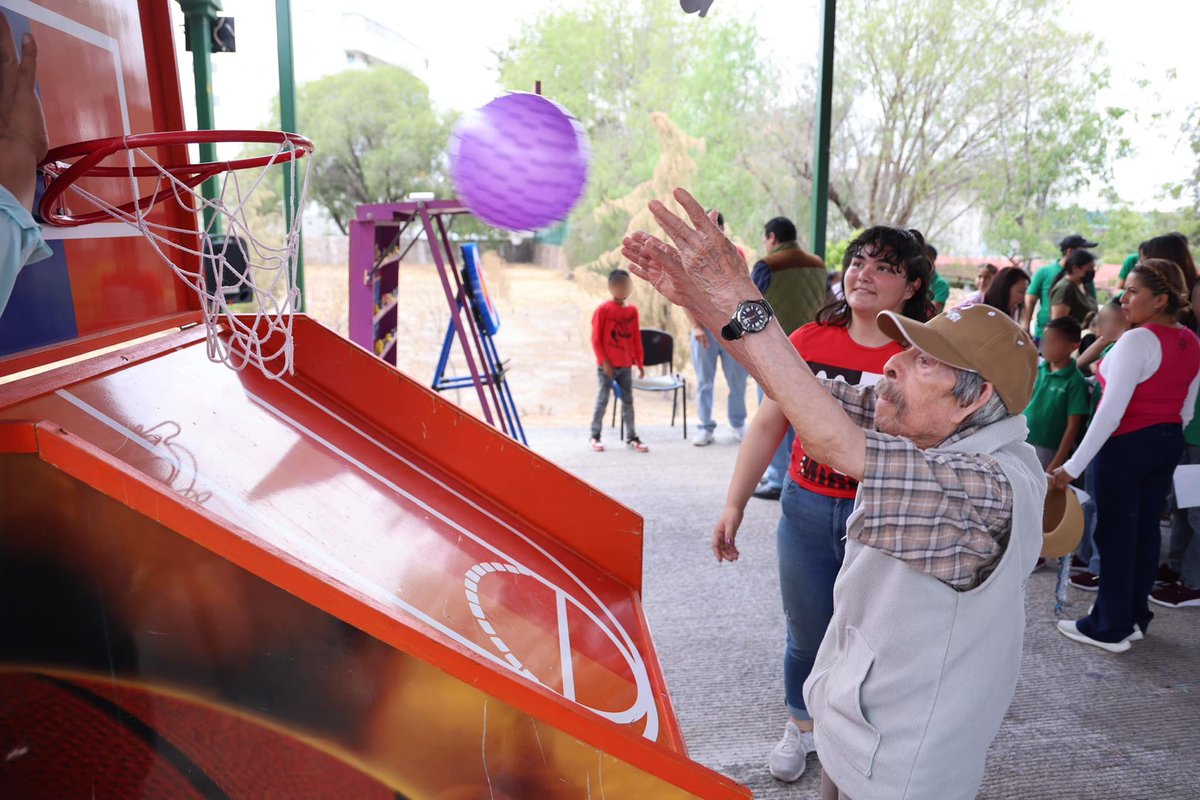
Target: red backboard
point(105, 68)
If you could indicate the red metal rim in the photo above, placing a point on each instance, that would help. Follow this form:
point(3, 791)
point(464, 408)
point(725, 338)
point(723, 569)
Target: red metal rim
point(94, 151)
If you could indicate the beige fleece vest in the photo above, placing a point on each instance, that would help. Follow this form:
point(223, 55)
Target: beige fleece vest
point(913, 678)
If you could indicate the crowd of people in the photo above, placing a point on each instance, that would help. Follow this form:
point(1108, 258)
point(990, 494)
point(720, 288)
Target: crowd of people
point(1103, 393)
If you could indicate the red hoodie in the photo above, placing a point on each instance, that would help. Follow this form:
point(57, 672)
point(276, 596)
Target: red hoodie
point(616, 335)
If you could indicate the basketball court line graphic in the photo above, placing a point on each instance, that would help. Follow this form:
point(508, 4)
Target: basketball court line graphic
point(643, 706)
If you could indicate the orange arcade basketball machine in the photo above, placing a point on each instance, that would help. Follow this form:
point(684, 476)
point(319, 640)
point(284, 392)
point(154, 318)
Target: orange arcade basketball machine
point(243, 557)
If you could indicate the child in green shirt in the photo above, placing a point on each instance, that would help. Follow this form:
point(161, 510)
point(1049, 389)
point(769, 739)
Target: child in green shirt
point(1061, 400)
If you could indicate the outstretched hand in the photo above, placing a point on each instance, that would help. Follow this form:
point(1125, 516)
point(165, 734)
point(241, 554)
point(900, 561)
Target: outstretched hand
point(23, 139)
point(703, 272)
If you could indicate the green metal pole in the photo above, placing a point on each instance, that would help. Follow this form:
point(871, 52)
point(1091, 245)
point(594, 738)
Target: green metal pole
point(287, 119)
point(200, 16)
point(820, 170)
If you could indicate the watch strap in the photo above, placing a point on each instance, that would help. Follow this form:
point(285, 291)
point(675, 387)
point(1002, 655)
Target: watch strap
point(732, 331)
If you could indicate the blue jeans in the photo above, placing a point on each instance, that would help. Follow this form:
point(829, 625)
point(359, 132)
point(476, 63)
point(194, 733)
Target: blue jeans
point(1087, 551)
point(1133, 477)
point(704, 359)
point(1183, 555)
point(777, 470)
point(811, 539)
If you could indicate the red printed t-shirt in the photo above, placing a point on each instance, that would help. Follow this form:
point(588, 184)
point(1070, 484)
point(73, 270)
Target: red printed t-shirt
point(831, 353)
point(616, 335)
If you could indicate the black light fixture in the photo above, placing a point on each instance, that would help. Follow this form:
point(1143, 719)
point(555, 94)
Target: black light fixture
point(692, 6)
point(223, 36)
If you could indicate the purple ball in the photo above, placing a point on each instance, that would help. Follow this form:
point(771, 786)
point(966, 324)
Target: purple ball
point(520, 162)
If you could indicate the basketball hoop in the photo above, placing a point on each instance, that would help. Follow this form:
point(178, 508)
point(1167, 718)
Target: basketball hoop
point(240, 263)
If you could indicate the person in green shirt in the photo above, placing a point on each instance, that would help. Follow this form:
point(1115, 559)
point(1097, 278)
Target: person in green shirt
point(1127, 266)
point(1069, 298)
point(939, 287)
point(1043, 281)
point(1061, 398)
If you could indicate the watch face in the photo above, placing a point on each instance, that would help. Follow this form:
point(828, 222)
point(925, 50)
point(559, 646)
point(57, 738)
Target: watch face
point(753, 317)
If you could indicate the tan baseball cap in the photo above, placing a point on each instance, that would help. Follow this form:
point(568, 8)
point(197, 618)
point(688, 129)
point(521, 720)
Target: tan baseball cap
point(979, 338)
point(1062, 522)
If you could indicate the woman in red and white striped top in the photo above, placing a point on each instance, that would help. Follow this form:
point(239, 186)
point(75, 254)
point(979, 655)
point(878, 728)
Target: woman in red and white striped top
point(1150, 380)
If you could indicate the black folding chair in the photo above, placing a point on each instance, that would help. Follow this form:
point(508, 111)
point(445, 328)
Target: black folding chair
point(658, 348)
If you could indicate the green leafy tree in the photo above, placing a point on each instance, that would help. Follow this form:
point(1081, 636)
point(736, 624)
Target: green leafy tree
point(944, 107)
point(377, 138)
point(1188, 189)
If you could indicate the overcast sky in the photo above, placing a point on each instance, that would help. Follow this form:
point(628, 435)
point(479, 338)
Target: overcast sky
point(457, 38)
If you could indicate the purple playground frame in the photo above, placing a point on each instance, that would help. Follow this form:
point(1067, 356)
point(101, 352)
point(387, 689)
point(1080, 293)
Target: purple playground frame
point(376, 250)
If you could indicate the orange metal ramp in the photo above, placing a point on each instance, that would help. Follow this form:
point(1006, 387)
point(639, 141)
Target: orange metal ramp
point(471, 611)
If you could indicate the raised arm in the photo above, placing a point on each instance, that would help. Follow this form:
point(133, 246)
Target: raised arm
point(704, 274)
point(23, 139)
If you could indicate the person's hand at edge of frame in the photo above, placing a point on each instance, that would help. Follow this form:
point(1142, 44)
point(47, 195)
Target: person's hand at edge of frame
point(23, 136)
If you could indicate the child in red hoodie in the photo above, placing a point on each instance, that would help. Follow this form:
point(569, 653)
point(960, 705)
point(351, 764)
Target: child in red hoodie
point(617, 340)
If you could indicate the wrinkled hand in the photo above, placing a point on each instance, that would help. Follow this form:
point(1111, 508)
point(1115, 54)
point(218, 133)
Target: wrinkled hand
point(725, 533)
point(659, 264)
point(23, 138)
point(1061, 478)
point(703, 272)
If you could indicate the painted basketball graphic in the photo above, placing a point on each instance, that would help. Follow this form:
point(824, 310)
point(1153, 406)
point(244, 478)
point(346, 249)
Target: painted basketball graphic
point(68, 735)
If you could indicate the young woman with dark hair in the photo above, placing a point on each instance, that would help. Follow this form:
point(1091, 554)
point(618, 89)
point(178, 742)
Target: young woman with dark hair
point(1150, 380)
point(886, 269)
point(1007, 291)
point(1173, 247)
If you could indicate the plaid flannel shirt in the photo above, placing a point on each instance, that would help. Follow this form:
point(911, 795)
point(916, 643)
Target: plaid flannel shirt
point(948, 514)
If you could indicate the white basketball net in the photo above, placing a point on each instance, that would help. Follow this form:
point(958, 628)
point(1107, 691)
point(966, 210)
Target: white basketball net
point(265, 338)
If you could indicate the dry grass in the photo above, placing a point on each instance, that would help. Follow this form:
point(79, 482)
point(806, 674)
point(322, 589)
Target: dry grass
point(544, 334)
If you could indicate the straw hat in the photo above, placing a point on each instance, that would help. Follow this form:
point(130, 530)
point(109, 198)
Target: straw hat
point(1062, 523)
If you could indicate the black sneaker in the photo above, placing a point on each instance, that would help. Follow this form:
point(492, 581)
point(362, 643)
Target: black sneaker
point(767, 492)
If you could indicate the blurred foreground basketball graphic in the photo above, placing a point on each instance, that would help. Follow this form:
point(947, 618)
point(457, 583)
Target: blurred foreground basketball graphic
point(65, 735)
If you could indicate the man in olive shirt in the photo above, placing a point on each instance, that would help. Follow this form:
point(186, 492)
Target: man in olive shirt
point(1038, 295)
point(795, 283)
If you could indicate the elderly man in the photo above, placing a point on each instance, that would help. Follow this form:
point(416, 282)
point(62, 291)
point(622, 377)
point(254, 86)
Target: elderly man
point(920, 661)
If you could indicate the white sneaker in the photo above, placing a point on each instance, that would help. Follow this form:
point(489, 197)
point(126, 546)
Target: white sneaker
point(1068, 629)
point(704, 438)
point(1137, 635)
point(739, 433)
point(787, 760)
